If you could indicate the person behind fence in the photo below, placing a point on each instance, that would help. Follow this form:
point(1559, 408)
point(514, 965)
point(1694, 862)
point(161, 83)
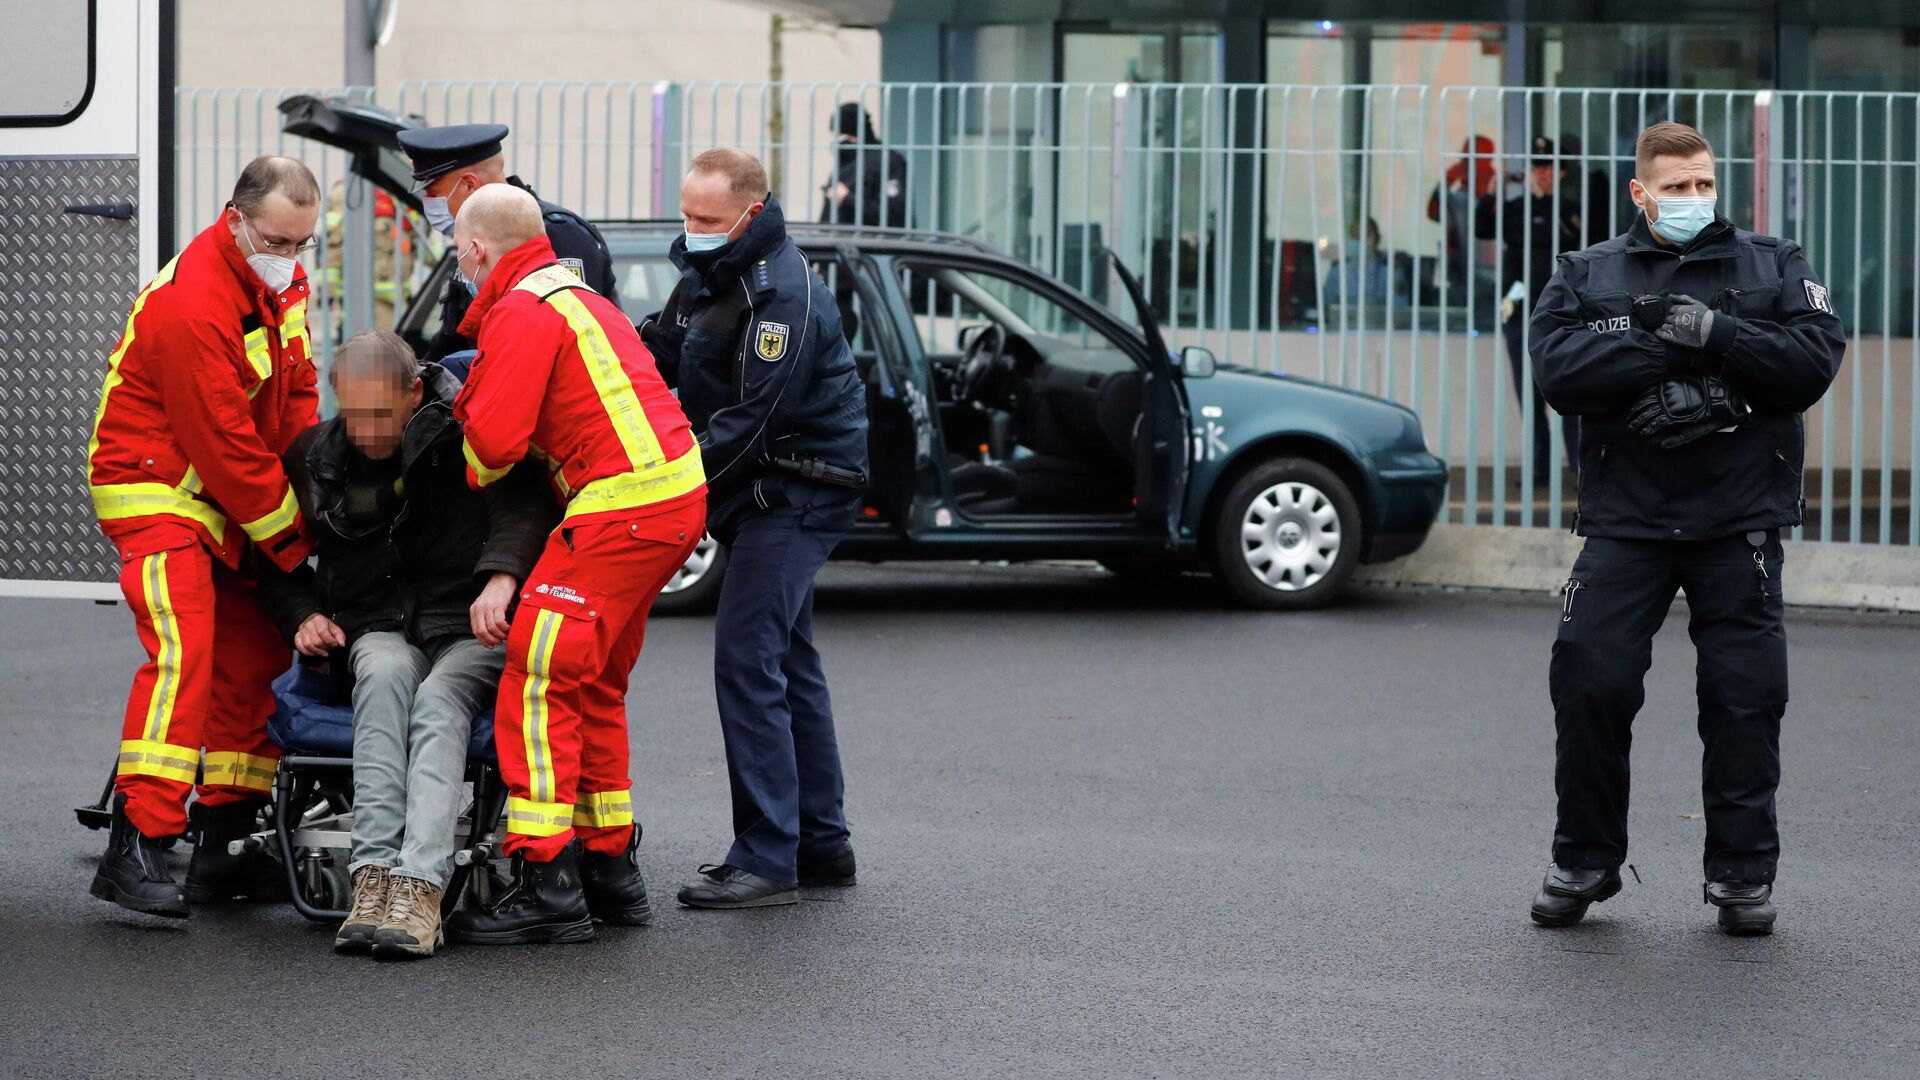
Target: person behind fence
point(1467, 180)
point(451, 163)
point(562, 375)
point(1367, 273)
point(1690, 349)
point(1536, 224)
point(211, 379)
point(1596, 193)
point(754, 338)
point(416, 579)
point(869, 182)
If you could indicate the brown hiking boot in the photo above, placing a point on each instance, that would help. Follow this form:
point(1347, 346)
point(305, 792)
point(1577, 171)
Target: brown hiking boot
point(412, 927)
point(370, 888)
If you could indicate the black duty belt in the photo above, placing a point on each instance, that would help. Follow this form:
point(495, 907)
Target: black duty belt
point(816, 471)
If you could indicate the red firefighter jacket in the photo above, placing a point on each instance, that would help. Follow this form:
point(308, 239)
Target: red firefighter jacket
point(562, 375)
point(211, 380)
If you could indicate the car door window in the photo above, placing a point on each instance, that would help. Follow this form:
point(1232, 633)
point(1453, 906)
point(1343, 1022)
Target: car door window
point(949, 300)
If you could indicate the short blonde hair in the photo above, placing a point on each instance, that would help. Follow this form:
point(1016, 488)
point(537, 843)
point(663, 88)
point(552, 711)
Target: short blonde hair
point(746, 177)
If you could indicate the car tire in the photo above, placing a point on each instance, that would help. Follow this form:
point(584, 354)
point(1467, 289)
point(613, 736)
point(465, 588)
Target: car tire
point(695, 589)
point(1287, 536)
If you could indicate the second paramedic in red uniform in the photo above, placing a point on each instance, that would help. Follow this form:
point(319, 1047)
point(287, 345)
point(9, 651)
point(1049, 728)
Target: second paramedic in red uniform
point(210, 382)
point(562, 375)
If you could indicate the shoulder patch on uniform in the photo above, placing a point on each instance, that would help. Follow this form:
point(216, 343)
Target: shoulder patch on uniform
point(578, 267)
point(1817, 296)
point(770, 340)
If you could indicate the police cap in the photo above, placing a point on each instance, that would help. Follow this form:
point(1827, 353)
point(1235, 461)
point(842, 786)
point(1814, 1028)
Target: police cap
point(440, 150)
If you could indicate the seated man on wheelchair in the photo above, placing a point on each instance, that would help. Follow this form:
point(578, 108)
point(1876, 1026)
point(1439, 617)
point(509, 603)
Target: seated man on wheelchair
point(413, 588)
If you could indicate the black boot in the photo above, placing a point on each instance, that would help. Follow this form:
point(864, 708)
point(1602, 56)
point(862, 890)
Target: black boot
point(133, 872)
point(1745, 908)
point(1566, 894)
point(215, 874)
point(615, 891)
point(545, 904)
point(726, 887)
point(825, 870)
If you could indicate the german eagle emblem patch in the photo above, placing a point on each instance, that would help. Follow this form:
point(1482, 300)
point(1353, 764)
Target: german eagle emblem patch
point(771, 341)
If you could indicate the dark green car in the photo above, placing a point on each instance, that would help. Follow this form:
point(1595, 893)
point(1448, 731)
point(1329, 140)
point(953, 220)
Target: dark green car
point(1014, 418)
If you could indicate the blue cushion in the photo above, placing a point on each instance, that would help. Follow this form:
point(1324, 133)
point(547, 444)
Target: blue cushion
point(309, 718)
point(459, 363)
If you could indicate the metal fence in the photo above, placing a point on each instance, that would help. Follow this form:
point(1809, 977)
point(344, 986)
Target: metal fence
point(1352, 234)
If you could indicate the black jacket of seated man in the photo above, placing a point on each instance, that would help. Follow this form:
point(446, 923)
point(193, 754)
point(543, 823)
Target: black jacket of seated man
point(405, 544)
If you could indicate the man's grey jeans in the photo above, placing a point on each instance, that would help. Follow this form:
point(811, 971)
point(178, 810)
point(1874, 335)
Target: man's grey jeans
point(413, 712)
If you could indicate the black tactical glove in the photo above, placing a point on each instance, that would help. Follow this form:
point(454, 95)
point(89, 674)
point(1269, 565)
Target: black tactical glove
point(1680, 411)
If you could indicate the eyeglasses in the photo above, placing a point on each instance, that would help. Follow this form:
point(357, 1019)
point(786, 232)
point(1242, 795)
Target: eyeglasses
point(286, 249)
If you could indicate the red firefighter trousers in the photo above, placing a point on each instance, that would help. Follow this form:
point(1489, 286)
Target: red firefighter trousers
point(561, 723)
point(212, 654)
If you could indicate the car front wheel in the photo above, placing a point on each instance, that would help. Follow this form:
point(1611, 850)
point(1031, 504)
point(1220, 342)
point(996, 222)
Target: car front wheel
point(695, 588)
point(1287, 536)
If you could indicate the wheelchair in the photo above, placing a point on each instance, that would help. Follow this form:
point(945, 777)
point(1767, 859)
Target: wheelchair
point(309, 826)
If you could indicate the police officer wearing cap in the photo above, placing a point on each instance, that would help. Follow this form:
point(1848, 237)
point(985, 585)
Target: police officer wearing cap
point(753, 337)
point(1690, 349)
point(451, 163)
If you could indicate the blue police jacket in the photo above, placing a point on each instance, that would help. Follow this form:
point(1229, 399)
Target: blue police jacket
point(751, 338)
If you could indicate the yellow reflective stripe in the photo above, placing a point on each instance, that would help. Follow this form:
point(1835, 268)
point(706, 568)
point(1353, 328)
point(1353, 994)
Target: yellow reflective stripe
point(530, 818)
point(114, 377)
point(636, 489)
point(610, 381)
point(486, 475)
point(533, 701)
point(550, 279)
point(112, 502)
point(293, 327)
point(145, 757)
point(191, 483)
point(230, 768)
point(258, 354)
point(603, 810)
point(155, 593)
point(282, 518)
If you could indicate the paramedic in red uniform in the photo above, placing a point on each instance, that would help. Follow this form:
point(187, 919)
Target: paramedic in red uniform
point(562, 375)
point(210, 382)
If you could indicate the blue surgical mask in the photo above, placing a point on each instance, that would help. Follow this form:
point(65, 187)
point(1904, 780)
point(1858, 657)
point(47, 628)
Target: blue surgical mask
point(698, 241)
point(438, 214)
point(1683, 216)
point(460, 270)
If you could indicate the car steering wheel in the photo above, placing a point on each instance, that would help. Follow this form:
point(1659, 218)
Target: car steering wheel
point(977, 365)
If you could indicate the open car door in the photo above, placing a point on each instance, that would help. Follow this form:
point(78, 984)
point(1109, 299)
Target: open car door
point(899, 427)
point(1162, 457)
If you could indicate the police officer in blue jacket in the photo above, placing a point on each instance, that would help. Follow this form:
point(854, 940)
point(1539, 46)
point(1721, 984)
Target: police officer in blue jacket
point(752, 339)
point(1690, 350)
point(452, 162)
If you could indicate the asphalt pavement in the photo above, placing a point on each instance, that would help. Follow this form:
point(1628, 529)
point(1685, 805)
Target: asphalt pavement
point(1102, 833)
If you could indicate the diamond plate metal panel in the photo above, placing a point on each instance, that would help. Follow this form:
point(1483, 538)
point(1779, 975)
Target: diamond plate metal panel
point(66, 283)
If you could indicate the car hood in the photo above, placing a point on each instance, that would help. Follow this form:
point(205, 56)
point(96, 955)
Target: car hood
point(1235, 383)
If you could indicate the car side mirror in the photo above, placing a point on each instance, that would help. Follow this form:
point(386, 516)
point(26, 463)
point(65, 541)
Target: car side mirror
point(1197, 362)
